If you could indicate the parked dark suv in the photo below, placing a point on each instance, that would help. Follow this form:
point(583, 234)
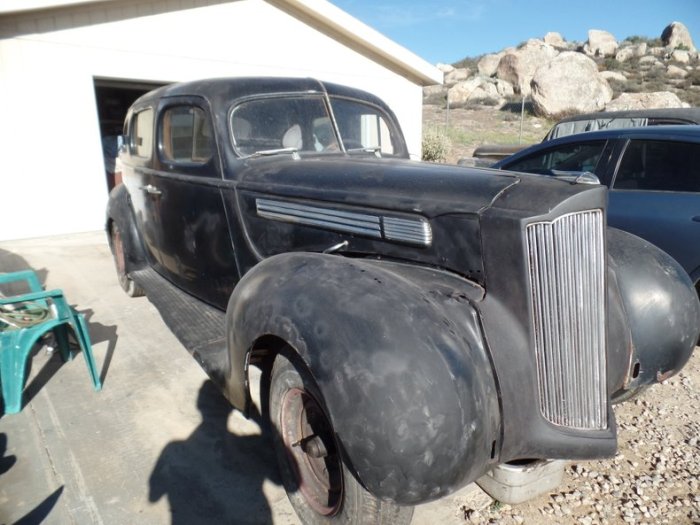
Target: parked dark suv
point(416, 325)
point(623, 119)
point(654, 178)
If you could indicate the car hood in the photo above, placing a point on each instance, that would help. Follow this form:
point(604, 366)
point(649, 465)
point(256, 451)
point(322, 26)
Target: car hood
point(425, 188)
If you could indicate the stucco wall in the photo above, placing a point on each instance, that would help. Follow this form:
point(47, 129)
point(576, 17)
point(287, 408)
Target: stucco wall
point(52, 171)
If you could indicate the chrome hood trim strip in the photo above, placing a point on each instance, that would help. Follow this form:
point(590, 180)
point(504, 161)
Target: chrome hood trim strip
point(415, 231)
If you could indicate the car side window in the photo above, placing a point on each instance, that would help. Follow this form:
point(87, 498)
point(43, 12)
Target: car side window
point(581, 156)
point(186, 135)
point(141, 136)
point(659, 165)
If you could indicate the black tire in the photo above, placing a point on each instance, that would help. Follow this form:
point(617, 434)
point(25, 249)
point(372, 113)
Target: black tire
point(128, 285)
point(622, 396)
point(321, 488)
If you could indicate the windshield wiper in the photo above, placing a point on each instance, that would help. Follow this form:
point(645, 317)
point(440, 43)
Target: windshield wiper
point(376, 150)
point(277, 151)
point(575, 176)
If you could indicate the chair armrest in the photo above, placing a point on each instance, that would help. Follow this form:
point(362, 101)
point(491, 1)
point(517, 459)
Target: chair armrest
point(34, 296)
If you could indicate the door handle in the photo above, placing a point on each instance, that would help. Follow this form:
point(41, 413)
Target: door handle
point(150, 189)
point(696, 218)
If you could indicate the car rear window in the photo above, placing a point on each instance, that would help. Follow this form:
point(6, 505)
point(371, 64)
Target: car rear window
point(141, 137)
point(659, 165)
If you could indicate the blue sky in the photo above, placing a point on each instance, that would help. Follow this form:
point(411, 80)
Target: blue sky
point(449, 30)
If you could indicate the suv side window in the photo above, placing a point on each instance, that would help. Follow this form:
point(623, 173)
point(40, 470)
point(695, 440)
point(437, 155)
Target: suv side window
point(186, 135)
point(567, 157)
point(659, 165)
point(141, 137)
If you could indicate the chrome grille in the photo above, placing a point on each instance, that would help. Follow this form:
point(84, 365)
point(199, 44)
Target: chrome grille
point(566, 259)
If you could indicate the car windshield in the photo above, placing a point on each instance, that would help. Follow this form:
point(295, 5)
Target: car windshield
point(290, 124)
point(363, 127)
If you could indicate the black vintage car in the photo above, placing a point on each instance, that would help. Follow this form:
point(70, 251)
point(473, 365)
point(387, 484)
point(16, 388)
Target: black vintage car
point(416, 324)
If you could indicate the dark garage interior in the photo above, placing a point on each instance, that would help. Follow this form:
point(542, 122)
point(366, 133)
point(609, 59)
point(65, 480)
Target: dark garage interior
point(113, 98)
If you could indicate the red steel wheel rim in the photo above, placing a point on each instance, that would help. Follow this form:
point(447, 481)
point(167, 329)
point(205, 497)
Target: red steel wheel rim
point(305, 431)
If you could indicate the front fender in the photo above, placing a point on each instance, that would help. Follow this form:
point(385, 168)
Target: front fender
point(661, 306)
point(399, 356)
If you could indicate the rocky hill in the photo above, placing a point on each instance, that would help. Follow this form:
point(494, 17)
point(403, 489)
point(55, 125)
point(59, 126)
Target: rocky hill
point(557, 78)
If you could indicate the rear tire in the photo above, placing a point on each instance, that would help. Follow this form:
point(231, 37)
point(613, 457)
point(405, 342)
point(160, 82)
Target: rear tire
point(319, 484)
point(127, 283)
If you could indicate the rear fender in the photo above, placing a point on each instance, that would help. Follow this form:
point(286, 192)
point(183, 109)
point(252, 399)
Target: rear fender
point(119, 212)
point(399, 356)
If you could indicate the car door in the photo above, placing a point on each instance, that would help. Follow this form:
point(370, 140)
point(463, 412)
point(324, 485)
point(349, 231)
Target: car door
point(655, 194)
point(138, 178)
point(193, 242)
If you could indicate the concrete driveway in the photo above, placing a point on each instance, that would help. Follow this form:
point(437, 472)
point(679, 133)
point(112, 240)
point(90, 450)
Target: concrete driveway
point(158, 444)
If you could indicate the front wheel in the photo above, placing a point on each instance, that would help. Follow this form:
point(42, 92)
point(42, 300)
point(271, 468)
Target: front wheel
point(128, 285)
point(320, 486)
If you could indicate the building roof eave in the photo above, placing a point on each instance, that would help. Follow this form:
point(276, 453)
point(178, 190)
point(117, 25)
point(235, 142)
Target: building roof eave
point(319, 14)
point(348, 30)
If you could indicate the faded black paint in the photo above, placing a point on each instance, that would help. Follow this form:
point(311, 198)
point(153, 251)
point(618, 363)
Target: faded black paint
point(399, 358)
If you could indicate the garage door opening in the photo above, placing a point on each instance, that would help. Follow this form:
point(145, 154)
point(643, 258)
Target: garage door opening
point(113, 99)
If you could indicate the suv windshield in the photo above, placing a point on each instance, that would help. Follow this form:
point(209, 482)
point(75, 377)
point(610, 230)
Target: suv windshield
point(271, 125)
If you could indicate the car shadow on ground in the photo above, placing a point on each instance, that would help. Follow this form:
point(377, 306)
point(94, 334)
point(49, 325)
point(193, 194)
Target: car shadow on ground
point(217, 474)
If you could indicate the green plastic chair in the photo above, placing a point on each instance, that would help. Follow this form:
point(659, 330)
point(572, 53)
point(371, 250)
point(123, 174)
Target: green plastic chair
point(24, 319)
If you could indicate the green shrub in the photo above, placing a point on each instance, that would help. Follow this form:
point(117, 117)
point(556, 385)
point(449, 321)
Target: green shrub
point(636, 39)
point(694, 78)
point(691, 96)
point(436, 99)
point(633, 87)
point(436, 146)
point(468, 62)
point(617, 86)
point(651, 42)
point(655, 73)
point(610, 64)
point(654, 85)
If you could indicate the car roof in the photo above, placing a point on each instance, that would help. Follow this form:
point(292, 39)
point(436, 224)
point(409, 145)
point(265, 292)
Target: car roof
point(232, 88)
point(689, 133)
point(689, 114)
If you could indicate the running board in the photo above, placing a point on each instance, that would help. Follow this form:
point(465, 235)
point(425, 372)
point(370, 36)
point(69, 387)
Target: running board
point(199, 327)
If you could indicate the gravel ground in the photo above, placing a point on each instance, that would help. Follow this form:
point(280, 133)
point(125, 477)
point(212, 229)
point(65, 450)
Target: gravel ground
point(653, 479)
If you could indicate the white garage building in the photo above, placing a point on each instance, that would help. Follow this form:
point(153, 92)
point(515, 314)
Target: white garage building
point(70, 68)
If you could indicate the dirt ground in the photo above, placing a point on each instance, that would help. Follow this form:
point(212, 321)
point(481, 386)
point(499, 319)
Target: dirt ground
point(468, 128)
